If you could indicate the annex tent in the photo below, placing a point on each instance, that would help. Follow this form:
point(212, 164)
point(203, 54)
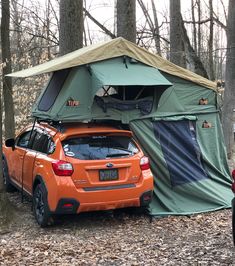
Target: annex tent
point(173, 113)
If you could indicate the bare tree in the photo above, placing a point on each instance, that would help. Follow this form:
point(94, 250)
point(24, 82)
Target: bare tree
point(153, 24)
point(199, 28)
point(6, 212)
point(102, 27)
point(71, 25)
point(229, 96)
point(6, 60)
point(194, 26)
point(177, 55)
point(34, 32)
point(210, 43)
point(126, 19)
point(156, 29)
point(193, 60)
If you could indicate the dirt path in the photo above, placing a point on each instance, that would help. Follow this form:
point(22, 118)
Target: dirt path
point(118, 238)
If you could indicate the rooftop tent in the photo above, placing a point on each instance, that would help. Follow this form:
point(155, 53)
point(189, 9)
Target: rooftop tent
point(70, 93)
point(172, 112)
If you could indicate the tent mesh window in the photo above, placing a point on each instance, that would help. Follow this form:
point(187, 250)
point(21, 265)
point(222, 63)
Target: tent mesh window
point(181, 151)
point(132, 93)
point(53, 89)
point(126, 98)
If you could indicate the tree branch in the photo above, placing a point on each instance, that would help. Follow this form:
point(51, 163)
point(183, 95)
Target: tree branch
point(108, 32)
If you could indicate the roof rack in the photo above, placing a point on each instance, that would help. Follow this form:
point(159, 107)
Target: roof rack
point(61, 125)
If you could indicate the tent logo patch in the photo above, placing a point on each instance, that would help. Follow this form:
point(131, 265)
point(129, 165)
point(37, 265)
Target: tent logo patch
point(206, 124)
point(72, 103)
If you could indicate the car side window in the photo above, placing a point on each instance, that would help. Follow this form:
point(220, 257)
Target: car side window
point(43, 143)
point(23, 140)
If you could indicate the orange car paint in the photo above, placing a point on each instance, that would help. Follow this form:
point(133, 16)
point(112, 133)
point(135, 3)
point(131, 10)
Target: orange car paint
point(26, 164)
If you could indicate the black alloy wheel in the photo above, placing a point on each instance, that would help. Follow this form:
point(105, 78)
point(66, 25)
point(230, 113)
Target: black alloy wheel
point(40, 206)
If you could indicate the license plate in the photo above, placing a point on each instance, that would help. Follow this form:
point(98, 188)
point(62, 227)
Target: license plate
point(108, 175)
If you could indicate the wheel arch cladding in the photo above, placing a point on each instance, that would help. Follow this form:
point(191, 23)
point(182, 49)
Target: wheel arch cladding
point(39, 180)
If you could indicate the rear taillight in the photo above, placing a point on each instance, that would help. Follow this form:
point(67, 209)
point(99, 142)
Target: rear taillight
point(233, 184)
point(144, 163)
point(233, 174)
point(62, 168)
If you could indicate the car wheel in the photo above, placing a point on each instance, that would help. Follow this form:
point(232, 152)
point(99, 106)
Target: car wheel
point(40, 206)
point(6, 182)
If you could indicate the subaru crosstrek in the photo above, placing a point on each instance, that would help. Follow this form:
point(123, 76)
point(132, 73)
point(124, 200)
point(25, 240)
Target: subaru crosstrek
point(70, 168)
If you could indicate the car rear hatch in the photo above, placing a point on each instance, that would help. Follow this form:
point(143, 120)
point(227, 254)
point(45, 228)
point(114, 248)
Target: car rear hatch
point(103, 161)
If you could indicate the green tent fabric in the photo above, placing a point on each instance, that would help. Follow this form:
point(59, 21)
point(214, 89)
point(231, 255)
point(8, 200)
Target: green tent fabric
point(209, 194)
point(122, 71)
point(83, 82)
point(166, 107)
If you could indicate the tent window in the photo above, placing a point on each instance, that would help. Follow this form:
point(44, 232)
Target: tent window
point(126, 93)
point(53, 89)
point(131, 93)
point(126, 98)
point(106, 91)
point(181, 151)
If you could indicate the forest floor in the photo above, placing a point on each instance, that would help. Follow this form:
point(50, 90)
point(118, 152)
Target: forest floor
point(117, 238)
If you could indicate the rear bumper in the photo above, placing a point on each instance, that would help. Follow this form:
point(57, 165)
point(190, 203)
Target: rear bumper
point(72, 206)
point(94, 199)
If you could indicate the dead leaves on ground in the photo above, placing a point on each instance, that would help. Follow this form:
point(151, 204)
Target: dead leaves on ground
point(119, 238)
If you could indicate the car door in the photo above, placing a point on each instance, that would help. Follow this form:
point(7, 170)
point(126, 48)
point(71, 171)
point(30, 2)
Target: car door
point(17, 157)
point(38, 147)
point(29, 161)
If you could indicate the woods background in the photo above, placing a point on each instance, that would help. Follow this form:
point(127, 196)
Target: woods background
point(195, 34)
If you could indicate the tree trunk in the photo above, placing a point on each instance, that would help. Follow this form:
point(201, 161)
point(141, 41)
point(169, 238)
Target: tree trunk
point(199, 29)
point(176, 43)
point(6, 215)
point(210, 43)
point(16, 46)
point(156, 29)
point(6, 59)
point(48, 29)
point(229, 94)
point(126, 19)
point(71, 25)
point(194, 26)
point(193, 60)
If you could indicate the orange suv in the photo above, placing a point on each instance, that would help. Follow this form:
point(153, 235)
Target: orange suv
point(69, 168)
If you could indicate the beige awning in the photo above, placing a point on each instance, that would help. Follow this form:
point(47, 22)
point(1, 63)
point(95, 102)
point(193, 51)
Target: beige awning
point(110, 49)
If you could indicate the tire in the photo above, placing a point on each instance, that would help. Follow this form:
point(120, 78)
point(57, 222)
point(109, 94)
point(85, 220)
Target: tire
point(6, 181)
point(233, 220)
point(40, 206)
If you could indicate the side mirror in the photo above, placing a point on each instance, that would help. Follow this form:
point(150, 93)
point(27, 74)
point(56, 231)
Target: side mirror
point(10, 143)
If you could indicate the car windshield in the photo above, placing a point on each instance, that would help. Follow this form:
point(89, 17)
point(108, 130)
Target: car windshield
point(99, 147)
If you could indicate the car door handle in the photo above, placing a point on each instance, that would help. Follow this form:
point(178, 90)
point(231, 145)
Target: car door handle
point(21, 157)
point(37, 163)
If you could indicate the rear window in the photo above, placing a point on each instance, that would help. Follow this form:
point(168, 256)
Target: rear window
point(99, 147)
